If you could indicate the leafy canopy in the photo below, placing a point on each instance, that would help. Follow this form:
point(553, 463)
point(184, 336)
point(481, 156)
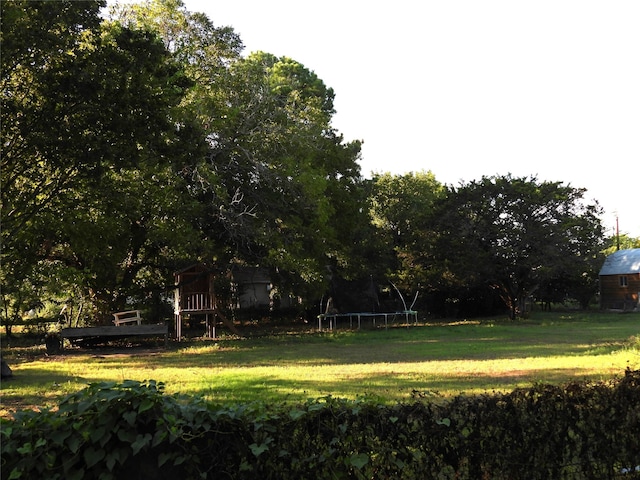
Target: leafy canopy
point(512, 234)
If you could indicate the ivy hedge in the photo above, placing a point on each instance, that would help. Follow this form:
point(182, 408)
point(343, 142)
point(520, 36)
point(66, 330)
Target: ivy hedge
point(581, 430)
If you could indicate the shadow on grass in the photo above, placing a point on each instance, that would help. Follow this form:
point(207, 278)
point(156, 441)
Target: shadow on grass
point(38, 388)
point(233, 369)
point(381, 387)
point(41, 386)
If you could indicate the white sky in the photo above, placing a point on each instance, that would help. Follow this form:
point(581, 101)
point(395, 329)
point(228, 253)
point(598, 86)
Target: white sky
point(467, 88)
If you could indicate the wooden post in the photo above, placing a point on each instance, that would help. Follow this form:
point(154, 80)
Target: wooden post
point(210, 325)
point(178, 322)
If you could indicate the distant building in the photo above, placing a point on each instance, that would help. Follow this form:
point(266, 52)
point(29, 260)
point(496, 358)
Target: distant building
point(253, 288)
point(620, 281)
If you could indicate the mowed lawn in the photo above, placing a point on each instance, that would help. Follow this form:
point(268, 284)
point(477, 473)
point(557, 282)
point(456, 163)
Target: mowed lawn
point(398, 364)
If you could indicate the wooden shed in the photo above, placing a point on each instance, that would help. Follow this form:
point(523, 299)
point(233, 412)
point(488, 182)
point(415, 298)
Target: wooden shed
point(252, 287)
point(620, 281)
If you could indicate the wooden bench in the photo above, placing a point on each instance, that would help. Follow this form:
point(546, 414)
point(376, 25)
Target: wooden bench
point(128, 317)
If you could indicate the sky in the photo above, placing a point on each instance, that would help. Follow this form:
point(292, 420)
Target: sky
point(468, 88)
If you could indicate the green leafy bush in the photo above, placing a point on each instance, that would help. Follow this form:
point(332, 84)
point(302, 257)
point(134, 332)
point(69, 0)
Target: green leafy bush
point(132, 430)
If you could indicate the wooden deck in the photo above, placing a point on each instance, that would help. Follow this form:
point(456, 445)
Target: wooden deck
point(123, 331)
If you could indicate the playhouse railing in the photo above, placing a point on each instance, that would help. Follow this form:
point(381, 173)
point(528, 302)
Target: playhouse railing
point(196, 301)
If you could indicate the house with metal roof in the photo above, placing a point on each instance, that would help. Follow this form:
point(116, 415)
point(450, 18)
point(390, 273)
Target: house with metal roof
point(620, 281)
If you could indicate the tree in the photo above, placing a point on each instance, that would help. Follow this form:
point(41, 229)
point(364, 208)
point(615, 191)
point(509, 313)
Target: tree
point(38, 41)
point(288, 170)
point(401, 208)
point(145, 140)
point(513, 234)
point(93, 150)
point(279, 182)
point(620, 242)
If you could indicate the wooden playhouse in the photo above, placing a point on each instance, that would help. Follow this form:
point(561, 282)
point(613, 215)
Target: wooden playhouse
point(195, 297)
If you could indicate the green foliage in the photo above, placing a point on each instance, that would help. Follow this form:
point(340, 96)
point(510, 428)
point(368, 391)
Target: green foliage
point(620, 242)
point(91, 190)
point(514, 234)
point(40, 42)
point(277, 185)
point(279, 176)
point(141, 142)
point(132, 430)
point(144, 141)
point(400, 208)
point(103, 432)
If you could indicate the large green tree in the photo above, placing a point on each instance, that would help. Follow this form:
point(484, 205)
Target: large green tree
point(289, 174)
point(92, 151)
point(514, 234)
point(279, 185)
point(37, 167)
point(42, 155)
point(401, 207)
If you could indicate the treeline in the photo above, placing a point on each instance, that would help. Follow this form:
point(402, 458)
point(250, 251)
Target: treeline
point(139, 140)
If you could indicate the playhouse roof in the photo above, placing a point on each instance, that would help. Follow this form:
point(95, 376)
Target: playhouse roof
point(622, 262)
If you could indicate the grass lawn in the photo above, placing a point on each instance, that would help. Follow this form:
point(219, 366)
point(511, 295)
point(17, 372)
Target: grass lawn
point(398, 364)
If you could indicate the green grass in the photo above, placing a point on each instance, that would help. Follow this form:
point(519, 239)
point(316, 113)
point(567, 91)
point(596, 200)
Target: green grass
point(392, 365)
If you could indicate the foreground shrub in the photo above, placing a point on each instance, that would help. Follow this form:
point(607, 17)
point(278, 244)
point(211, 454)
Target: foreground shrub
point(132, 430)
